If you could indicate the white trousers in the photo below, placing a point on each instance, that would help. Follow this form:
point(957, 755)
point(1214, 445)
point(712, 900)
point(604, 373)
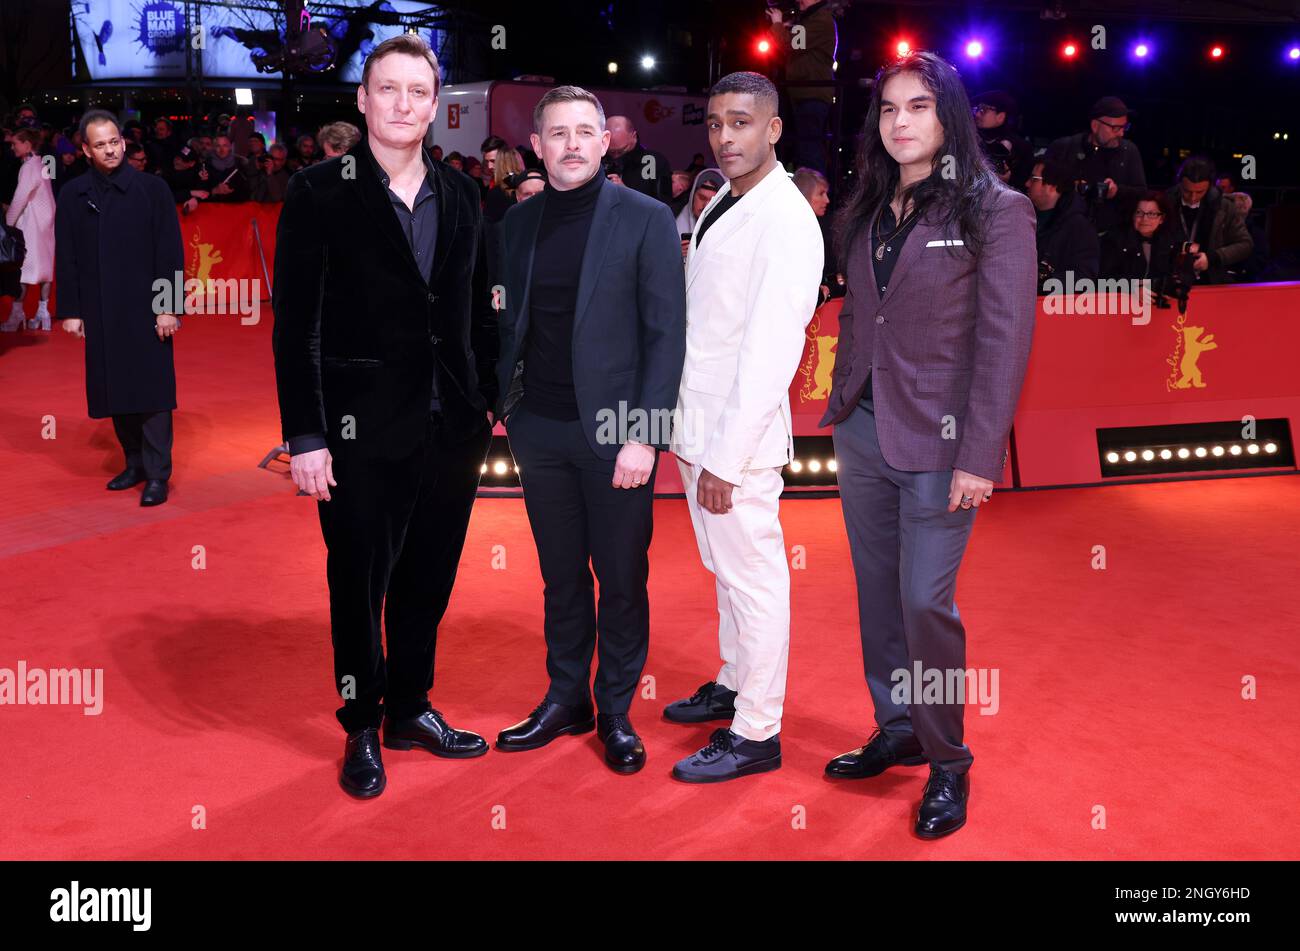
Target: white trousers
point(745, 550)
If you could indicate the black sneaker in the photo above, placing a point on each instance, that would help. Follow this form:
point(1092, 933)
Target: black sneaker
point(729, 756)
point(711, 702)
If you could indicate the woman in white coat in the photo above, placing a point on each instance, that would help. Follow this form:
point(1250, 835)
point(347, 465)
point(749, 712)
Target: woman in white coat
point(32, 212)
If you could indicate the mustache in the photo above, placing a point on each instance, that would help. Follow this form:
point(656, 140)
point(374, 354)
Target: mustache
point(575, 155)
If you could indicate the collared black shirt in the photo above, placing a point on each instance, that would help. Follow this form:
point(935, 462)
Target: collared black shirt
point(883, 266)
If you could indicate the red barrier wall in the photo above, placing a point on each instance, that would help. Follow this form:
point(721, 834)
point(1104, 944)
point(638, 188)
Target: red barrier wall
point(1233, 355)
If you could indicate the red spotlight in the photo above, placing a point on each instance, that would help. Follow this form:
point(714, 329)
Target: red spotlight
point(1070, 50)
point(764, 47)
point(903, 47)
point(1216, 52)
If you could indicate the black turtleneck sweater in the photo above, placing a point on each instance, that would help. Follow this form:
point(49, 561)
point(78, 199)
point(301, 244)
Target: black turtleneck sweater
point(553, 298)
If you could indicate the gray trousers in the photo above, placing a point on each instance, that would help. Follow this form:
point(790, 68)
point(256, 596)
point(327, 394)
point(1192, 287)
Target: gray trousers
point(906, 548)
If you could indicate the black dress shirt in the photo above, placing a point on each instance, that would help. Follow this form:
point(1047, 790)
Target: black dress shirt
point(883, 266)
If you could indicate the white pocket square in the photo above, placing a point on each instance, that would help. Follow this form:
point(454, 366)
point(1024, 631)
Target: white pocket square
point(944, 243)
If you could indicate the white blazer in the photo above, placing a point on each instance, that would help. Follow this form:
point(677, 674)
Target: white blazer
point(750, 293)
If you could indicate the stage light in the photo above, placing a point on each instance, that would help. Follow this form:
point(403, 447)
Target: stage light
point(1253, 449)
point(1293, 54)
point(764, 47)
point(796, 465)
point(483, 470)
point(1069, 51)
point(1200, 452)
point(243, 97)
point(1130, 456)
point(499, 467)
point(833, 466)
point(1112, 457)
point(1270, 447)
point(1277, 135)
point(1142, 50)
point(814, 465)
point(1166, 454)
point(1216, 52)
point(974, 49)
point(1218, 450)
point(613, 67)
point(1235, 450)
point(902, 47)
point(647, 62)
point(1183, 453)
point(1147, 455)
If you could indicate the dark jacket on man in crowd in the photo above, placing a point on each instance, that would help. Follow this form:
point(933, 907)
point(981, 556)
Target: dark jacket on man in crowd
point(812, 62)
point(1087, 162)
point(635, 167)
point(1126, 255)
point(1219, 229)
point(1067, 241)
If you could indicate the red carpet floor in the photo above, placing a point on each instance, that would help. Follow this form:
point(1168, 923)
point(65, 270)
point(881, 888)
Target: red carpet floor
point(1120, 689)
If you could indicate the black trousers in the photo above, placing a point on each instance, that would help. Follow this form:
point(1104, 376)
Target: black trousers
point(146, 440)
point(580, 521)
point(394, 533)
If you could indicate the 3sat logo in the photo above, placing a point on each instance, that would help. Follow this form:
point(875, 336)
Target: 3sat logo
point(453, 116)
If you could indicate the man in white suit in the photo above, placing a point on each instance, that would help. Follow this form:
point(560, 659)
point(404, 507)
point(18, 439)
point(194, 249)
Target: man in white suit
point(753, 268)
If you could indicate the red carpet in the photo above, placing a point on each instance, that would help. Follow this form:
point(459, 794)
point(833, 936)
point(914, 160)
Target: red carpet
point(1120, 688)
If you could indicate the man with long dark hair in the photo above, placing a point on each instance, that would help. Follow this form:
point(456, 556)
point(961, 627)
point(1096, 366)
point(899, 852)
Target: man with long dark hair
point(934, 340)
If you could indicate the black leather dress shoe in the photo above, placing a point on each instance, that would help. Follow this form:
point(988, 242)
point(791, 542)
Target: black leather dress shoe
point(125, 479)
point(544, 724)
point(624, 752)
point(880, 752)
point(363, 768)
point(943, 804)
point(430, 731)
point(711, 702)
point(155, 492)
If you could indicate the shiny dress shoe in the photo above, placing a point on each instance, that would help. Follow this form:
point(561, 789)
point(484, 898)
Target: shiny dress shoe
point(943, 804)
point(729, 756)
point(544, 724)
point(430, 731)
point(155, 492)
point(363, 769)
point(711, 702)
point(624, 752)
point(880, 752)
point(125, 479)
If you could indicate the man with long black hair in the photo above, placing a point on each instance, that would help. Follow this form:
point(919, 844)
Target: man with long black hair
point(934, 340)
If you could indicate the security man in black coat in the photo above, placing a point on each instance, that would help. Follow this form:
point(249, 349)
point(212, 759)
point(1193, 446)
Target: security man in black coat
point(385, 346)
point(116, 238)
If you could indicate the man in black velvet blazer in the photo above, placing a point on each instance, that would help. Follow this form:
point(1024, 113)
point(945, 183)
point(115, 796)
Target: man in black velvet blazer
point(385, 345)
point(593, 339)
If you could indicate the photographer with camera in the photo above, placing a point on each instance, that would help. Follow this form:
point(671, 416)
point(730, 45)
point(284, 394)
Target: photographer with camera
point(806, 37)
point(1009, 152)
point(1105, 166)
point(1204, 226)
point(1067, 242)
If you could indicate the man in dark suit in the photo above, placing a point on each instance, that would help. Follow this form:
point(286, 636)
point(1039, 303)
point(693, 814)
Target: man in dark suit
point(593, 338)
point(934, 342)
point(384, 353)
